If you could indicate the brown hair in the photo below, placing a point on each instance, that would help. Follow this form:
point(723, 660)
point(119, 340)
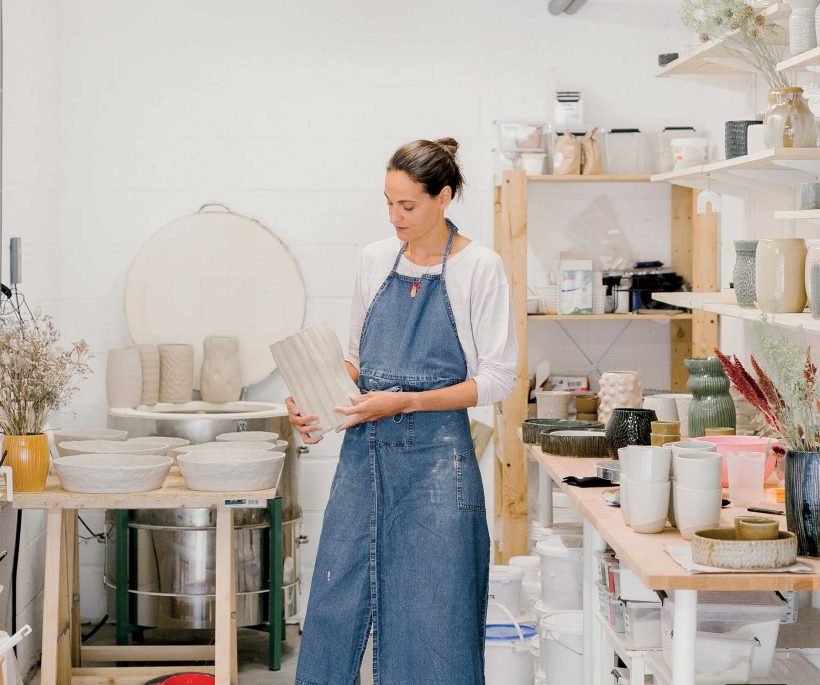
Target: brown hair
point(433, 163)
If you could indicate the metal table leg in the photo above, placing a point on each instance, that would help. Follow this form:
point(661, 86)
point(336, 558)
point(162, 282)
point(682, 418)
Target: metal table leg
point(683, 637)
point(276, 621)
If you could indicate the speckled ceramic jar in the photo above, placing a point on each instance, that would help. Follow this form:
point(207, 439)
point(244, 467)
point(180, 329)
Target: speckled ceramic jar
point(779, 275)
point(744, 273)
point(712, 405)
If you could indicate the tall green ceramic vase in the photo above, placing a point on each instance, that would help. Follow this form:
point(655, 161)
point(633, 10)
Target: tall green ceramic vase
point(712, 405)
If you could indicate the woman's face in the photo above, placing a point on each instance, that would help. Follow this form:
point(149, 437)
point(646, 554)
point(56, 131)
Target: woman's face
point(413, 212)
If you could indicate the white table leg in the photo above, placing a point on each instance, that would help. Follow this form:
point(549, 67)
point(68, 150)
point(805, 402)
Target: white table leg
point(544, 496)
point(225, 665)
point(683, 638)
point(637, 670)
point(594, 641)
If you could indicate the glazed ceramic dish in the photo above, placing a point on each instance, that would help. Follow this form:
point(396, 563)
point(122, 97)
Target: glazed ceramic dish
point(71, 447)
point(157, 441)
point(226, 446)
point(231, 470)
point(248, 436)
point(719, 547)
point(574, 443)
point(531, 429)
point(112, 473)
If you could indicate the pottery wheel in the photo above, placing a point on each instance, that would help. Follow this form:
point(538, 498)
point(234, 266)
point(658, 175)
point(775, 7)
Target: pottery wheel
point(216, 273)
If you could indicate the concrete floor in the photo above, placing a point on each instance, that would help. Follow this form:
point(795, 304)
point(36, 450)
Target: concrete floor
point(252, 648)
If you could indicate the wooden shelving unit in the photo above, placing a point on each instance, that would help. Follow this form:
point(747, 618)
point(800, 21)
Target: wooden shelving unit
point(606, 178)
point(806, 214)
point(696, 333)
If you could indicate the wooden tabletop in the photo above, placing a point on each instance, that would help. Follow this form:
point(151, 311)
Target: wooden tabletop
point(644, 553)
point(172, 495)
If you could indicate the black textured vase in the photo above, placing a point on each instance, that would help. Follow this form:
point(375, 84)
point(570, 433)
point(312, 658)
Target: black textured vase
point(629, 427)
point(803, 500)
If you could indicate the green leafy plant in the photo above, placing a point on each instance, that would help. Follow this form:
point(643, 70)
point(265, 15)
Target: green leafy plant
point(743, 32)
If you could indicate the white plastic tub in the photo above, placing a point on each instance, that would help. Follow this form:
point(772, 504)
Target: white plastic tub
point(520, 135)
point(642, 624)
point(562, 648)
point(530, 565)
point(562, 561)
point(508, 654)
point(727, 615)
point(505, 589)
point(689, 152)
point(539, 531)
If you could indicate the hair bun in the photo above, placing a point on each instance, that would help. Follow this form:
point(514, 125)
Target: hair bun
point(449, 144)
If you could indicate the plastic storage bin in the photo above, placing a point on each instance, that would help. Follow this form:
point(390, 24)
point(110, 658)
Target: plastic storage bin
point(631, 588)
point(689, 152)
point(562, 566)
point(611, 609)
point(642, 623)
point(726, 615)
point(602, 560)
point(521, 135)
point(628, 151)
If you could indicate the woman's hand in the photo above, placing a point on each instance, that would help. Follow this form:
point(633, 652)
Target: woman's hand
point(304, 425)
point(374, 406)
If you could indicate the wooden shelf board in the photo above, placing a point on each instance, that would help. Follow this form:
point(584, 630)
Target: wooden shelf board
point(620, 645)
point(695, 300)
point(788, 215)
point(705, 59)
point(609, 317)
point(606, 178)
point(802, 320)
point(810, 58)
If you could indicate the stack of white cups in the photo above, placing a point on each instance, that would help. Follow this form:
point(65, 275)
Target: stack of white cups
point(645, 486)
point(697, 493)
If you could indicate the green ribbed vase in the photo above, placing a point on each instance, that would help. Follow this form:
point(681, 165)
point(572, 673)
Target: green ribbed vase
point(712, 405)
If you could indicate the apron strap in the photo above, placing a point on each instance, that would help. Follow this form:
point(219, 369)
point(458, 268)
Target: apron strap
point(453, 230)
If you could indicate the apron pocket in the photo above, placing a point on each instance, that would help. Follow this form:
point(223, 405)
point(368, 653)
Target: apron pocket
point(469, 488)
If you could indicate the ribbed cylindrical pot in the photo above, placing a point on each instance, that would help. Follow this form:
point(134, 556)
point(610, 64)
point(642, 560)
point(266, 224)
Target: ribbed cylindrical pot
point(618, 389)
point(744, 273)
point(220, 380)
point(812, 257)
point(803, 500)
point(123, 377)
point(29, 460)
point(176, 373)
point(779, 278)
point(802, 34)
point(149, 357)
point(712, 405)
point(629, 426)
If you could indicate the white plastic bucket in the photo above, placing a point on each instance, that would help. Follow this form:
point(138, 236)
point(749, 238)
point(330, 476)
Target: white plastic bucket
point(562, 562)
point(540, 678)
point(539, 531)
point(505, 589)
point(531, 565)
point(508, 652)
point(562, 648)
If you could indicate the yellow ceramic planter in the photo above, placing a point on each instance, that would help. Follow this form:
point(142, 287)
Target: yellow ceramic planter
point(29, 460)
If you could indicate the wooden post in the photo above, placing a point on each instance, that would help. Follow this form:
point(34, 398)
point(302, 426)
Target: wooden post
point(680, 332)
point(56, 656)
point(225, 664)
point(705, 330)
point(510, 231)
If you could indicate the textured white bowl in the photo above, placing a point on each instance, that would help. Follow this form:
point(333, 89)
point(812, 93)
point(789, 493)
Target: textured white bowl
point(280, 445)
point(112, 473)
point(248, 436)
point(107, 447)
point(68, 434)
point(226, 446)
point(231, 470)
point(158, 441)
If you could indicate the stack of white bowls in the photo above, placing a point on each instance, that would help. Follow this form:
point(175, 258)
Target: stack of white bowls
point(645, 487)
point(697, 493)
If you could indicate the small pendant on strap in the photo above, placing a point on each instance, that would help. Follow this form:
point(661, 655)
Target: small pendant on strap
point(415, 288)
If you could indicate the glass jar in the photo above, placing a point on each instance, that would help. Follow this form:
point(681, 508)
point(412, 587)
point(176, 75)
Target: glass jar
point(789, 121)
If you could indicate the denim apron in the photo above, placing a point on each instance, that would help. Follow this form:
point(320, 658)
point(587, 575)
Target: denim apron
point(405, 547)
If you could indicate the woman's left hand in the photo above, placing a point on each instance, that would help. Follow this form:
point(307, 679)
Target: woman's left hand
point(372, 407)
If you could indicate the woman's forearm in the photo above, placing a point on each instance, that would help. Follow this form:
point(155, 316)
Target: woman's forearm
point(461, 396)
point(353, 371)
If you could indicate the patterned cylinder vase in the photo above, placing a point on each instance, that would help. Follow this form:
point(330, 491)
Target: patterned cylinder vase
point(619, 389)
point(176, 373)
point(220, 380)
point(803, 500)
point(744, 273)
point(712, 405)
point(149, 357)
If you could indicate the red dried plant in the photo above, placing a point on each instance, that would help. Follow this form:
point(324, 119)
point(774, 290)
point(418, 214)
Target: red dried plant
point(761, 393)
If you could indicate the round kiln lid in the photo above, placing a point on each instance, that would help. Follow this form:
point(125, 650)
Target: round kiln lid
point(216, 273)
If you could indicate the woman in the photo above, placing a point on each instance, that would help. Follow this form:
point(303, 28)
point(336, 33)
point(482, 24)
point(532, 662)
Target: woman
point(405, 547)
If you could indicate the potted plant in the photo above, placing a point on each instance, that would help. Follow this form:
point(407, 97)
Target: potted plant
point(746, 35)
point(37, 377)
point(786, 396)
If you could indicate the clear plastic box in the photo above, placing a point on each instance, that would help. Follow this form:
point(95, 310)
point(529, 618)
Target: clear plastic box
point(642, 623)
point(515, 136)
point(631, 588)
point(741, 615)
point(611, 609)
point(603, 559)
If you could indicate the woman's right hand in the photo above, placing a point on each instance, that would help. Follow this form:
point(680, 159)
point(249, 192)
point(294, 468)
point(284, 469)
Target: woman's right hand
point(304, 425)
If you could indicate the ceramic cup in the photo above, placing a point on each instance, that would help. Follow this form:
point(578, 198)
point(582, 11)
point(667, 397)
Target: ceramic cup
point(720, 431)
point(648, 506)
point(586, 404)
point(660, 440)
point(697, 470)
point(756, 528)
point(666, 428)
point(809, 196)
point(665, 407)
point(649, 464)
point(624, 499)
point(553, 404)
point(696, 509)
point(689, 445)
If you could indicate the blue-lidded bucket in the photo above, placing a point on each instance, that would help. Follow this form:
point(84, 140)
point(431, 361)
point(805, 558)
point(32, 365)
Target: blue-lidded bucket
point(508, 654)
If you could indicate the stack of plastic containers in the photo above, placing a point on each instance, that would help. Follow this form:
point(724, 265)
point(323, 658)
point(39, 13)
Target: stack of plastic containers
point(609, 586)
point(522, 145)
point(641, 609)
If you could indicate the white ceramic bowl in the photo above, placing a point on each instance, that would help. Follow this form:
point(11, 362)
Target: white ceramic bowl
point(231, 470)
point(72, 447)
point(648, 506)
point(68, 434)
point(112, 473)
point(248, 436)
point(697, 470)
point(649, 464)
point(158, 441)
point(280, 445)
point(696, 509)
point(226, 446)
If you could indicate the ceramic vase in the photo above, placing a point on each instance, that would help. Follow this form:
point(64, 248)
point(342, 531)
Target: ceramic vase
point(815, 290)
point(28, 457)
point(802, 33)
point(812, 257)
point(123, 377)
point(712, 405)
point(313, 367)
point(789, 121)
point(220, 380)
point(618, 389)
point(802, 500)
point(149, 358)
point(629, 426)
point(176, 373)
point(779, 278)
point(744, 273)
point(553, 404)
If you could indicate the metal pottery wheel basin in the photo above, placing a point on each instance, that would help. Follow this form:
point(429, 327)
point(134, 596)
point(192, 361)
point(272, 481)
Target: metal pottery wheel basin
point(112, 473)
point(718, 547)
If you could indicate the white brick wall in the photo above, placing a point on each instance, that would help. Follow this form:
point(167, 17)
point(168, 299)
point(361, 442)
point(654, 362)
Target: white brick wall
point(124, 116)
